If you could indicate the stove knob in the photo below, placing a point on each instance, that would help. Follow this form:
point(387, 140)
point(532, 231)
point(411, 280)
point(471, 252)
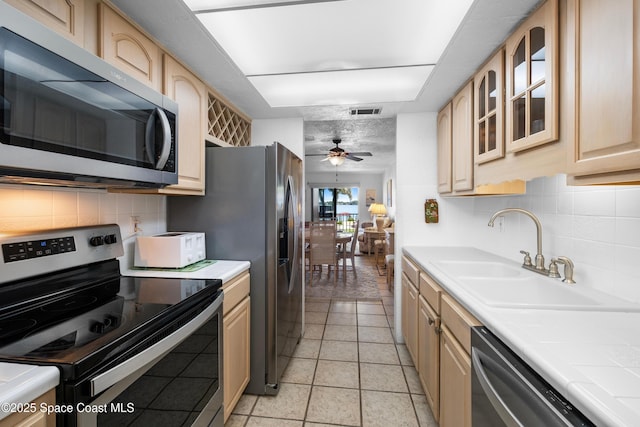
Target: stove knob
point(96, 241)
point(111, 321)
point(110, 239)
point(98, 328)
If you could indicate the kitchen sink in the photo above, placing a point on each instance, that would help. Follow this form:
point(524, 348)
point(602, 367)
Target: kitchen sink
point(506, 284)
point(541, 293)
point(461, 268)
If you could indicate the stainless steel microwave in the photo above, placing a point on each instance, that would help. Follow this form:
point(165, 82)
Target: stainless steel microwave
point(69, 118)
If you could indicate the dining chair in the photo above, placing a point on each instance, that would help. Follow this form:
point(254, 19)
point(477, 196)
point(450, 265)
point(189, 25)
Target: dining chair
point(322, 247)
point(350, 252)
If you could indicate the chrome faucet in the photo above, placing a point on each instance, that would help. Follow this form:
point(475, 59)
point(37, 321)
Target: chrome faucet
point(539, 260)
point(568, 269)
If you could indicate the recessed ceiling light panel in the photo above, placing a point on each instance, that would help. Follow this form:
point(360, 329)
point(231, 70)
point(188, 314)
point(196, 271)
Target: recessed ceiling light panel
point(342, 87)
point(340, 35)
point(220, 5)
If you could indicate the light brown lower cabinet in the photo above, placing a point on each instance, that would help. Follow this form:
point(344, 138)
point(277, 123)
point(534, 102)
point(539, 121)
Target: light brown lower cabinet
point(34, 419)
point(410, 331)
point(455, 382)
point(437, 332)
point(429, 354)
point(236, 324)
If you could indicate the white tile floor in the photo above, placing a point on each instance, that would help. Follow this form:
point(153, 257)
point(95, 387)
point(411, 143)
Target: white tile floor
point(347, 371)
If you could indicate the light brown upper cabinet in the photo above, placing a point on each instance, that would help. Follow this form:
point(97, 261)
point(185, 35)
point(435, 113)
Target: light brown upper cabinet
point(129, 49)
point(66, 17)
point(488, 110)
point(192, 97)
point(456, 168)
point(444, 149)
point(605, 40)
point(532, 80)
point(462, 139)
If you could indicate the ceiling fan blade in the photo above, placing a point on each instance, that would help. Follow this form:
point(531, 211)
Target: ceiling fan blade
point(325, 159)
point(352, 157)
point(315, 155)
point(362, 153)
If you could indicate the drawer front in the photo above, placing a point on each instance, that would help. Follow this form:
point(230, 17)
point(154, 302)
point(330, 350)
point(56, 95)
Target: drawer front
point(235, 291)
point(458, 320)
point(431, 291)
point(411, 270)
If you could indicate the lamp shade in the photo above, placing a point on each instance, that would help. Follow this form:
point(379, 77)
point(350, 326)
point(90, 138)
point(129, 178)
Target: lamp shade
point(378, 209)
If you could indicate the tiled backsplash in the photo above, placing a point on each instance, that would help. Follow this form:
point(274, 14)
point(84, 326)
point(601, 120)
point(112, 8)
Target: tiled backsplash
point(597, 227)
point(31, 208)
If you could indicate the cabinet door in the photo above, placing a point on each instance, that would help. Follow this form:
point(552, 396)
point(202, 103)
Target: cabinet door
point(607, 62)
point(455, 388)
point(488, 111)
point(34, 419)
point(532, 80)
point(410, 317)
point(412, 322)
point(444, 149)
point(462, 139)
point(429, 355)
point(236, 337)
point(126, 47)
point(65, 17)
point(191, 95)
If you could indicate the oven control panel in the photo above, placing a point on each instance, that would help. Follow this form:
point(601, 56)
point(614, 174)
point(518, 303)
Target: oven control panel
point(39, 252)
point(19, 251)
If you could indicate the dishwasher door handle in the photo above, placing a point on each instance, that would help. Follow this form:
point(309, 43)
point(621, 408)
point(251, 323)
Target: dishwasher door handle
point(494, 398)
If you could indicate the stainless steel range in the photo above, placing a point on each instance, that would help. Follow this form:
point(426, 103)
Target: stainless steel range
point(145, 351)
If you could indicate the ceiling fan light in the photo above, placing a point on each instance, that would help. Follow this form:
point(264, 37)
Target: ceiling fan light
point(336, 160)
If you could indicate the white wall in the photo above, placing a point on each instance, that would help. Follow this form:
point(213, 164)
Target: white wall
point(597, 227)
point(288, 132)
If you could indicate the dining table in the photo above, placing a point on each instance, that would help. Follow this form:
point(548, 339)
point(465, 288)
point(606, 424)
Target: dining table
point(342, 239)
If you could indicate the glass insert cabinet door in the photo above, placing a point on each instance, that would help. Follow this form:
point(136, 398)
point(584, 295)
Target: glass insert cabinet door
point(489, 110)
point(532, 80)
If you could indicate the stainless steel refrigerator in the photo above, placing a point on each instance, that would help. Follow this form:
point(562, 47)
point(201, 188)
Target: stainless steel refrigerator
point(252, 210)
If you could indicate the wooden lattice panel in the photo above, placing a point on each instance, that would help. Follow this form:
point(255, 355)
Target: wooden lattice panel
point(227, 125)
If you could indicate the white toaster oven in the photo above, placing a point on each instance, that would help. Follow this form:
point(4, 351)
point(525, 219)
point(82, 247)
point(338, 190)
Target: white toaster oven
point(169, 250)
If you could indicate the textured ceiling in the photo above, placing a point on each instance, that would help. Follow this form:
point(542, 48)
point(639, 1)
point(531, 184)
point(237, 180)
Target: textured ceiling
point(376, 136)
point(484, 28)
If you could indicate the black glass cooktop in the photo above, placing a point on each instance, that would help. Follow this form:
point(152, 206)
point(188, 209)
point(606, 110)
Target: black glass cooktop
point(89, 316)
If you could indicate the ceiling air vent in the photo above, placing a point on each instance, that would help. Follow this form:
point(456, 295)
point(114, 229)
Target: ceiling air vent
point(365, 111)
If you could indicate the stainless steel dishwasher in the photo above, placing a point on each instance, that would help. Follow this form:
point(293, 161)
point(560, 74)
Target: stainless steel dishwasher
point(505, 391)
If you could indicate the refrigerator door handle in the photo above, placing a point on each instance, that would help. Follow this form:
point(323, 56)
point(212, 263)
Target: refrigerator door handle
point(294, 259)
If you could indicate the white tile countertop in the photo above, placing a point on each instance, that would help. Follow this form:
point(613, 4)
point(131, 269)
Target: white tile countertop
point(220, 269)
point(591, 356)
point(23, 383)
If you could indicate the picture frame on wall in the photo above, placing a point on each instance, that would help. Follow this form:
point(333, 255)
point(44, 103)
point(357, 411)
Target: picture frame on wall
point(389, 193)
point(370, 197)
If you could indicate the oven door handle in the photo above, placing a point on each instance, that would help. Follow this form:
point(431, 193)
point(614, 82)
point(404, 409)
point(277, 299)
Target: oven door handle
point(116, 374)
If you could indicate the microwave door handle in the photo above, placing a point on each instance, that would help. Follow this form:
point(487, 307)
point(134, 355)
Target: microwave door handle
point(494, 398)
point(158, 114)
point(166, 139)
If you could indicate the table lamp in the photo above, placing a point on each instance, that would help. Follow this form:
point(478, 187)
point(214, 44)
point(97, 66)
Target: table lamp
point(378, 210)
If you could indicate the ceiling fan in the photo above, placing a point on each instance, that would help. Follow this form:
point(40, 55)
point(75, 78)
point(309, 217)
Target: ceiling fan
point(337, 155)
